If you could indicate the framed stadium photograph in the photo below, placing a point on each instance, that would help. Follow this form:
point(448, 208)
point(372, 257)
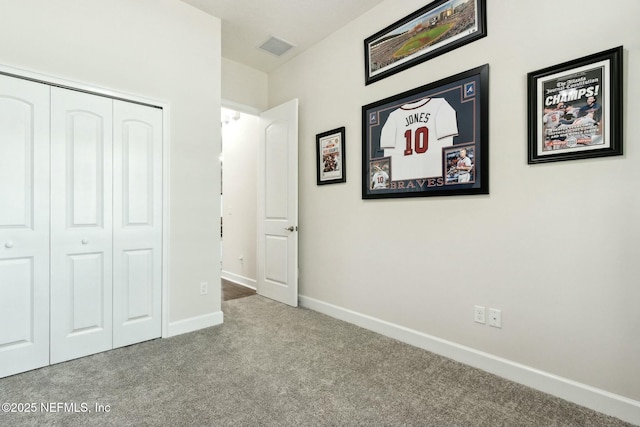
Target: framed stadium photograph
point(575, 109)
point(435, 29)
point(429, 141)
point(330, 157)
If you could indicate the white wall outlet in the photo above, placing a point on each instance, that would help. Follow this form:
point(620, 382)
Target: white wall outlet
point(478, 314)
point(204, 288)
point(495, 318)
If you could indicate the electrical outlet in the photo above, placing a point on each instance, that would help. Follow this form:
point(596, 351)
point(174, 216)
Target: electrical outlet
point(495, 318)
point(478, 314)
point(204, 288)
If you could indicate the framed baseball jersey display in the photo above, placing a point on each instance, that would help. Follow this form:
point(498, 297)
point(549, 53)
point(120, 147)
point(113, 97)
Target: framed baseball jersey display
point(575, 109)
point(429, 141)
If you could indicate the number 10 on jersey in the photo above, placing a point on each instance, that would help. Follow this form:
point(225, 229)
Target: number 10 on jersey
point(416, 141)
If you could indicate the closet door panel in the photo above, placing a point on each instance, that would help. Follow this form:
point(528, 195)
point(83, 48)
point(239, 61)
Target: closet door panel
point(137, 222)
point(24, 225)
point(81, 224)
point(86, 285)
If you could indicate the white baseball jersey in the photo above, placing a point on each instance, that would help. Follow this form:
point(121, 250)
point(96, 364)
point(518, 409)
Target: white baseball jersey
point(413, 136)
point(464, 175)
point(380, 179)
point(552, 120)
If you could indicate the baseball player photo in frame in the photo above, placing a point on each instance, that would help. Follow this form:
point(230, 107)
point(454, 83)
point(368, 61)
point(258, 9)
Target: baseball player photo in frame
point(330, 160)
point(429, 141)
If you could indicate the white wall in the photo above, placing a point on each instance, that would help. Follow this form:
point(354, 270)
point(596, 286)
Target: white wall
point(239, 186)
point(554, 246)
point(244, 86)
point(158, 49)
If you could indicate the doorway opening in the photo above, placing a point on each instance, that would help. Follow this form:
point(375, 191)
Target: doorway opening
point(238, 207)
point(260, 209)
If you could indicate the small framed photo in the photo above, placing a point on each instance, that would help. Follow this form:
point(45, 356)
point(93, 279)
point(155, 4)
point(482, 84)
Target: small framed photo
point(575, 109)
point(330, 157)
point(429, 141)
point(437, 28)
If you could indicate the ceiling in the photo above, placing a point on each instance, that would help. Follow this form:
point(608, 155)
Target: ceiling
point(247, 24)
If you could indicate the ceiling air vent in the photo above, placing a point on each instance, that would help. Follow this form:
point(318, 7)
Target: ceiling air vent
point(276, 46)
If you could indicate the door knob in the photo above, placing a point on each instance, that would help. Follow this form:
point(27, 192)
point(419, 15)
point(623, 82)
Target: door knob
point(85, 241)
point(292, 228)
point(8, 245)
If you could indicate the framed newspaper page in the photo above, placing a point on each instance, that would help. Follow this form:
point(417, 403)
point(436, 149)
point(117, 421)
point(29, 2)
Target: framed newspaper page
point(330, 157)
point(575, 109)
point(429, 141)
point(437, 28)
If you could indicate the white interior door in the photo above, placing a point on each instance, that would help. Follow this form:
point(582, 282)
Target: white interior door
point(137, 223)
point(24, 225)
point(81, 224)
point(277, 254)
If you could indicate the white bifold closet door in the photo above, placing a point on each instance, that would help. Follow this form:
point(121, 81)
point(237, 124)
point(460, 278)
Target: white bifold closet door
point(24, 225)
point(106, 224)
point(81, 224)
point(137, 223)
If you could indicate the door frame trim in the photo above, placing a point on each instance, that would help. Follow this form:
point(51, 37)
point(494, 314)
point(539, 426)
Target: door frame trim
point(165, 106)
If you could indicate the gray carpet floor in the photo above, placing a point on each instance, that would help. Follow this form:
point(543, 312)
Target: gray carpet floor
point(273, 365)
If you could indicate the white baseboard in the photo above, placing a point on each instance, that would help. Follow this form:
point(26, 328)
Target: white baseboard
point(194, 324)
point(240, 280)
point(599, 400)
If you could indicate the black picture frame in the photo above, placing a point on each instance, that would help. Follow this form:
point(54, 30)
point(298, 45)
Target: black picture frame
point(330, 157)
point(412, 142)
point(435, 29)
point(575, 109)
